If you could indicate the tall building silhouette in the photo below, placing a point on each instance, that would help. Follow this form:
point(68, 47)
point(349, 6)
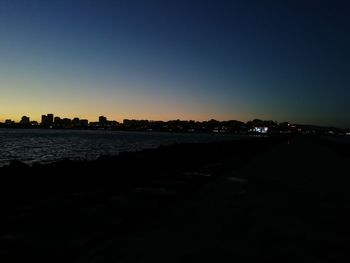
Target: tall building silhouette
point(43, 119)
point(50, 118)
point(47, 120)
point(102, 120)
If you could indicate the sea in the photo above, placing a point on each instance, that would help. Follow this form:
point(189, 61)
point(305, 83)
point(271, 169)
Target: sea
point(49, 145)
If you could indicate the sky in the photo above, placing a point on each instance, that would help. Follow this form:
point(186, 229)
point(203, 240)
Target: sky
point(178, 59)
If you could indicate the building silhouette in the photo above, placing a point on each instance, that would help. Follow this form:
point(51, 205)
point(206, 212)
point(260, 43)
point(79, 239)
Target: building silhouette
point(76, 122)
point(57, 120)
point(47, 120)
point(50, 119)
point(102, 120)
point(84, 123)
point(43, 119)
point(25, 120)
point(9, 122)
point(66, 122)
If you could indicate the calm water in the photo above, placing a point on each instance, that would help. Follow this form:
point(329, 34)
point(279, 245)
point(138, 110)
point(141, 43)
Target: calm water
point(44, 146)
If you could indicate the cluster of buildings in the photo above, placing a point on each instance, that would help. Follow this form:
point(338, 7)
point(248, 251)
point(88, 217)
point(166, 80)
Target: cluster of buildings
point(51, 121)
point(255, 126)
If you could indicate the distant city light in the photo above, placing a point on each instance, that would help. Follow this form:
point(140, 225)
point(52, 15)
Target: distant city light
point(261, 129)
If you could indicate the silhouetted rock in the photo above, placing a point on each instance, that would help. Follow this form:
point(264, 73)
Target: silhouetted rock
point(18, 165)
point(85, 202)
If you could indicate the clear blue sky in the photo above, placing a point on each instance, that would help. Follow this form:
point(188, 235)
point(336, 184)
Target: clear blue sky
point(279, 60)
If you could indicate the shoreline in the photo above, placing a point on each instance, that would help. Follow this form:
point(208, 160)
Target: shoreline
point(59, 211)
point(68, 209)
point(47, 146)
point(197, 152)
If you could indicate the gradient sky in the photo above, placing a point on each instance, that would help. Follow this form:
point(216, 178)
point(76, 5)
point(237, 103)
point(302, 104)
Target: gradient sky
point(279, 60)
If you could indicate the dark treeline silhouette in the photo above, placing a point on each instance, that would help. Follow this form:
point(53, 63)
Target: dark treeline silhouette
point(255, 126)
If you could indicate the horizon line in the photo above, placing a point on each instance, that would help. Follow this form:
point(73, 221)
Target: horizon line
point(17, 120)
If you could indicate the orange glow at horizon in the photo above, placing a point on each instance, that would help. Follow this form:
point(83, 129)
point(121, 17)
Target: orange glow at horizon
point(68, 99)
point(120, 118)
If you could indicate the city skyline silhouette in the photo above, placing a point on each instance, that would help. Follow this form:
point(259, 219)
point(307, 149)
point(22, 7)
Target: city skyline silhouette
point(174, 131)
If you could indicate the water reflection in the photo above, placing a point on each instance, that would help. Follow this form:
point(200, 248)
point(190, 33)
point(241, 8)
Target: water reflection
point(44, 146)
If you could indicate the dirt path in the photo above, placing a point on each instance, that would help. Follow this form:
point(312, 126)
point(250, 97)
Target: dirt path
point(289, 205)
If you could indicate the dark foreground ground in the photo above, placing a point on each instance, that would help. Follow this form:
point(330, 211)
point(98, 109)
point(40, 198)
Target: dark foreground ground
point(262, 200)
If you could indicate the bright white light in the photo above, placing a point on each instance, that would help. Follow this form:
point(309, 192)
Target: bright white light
point(261, 129)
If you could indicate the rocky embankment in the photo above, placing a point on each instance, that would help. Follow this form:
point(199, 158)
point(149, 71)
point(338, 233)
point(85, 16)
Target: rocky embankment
point(57, 212)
